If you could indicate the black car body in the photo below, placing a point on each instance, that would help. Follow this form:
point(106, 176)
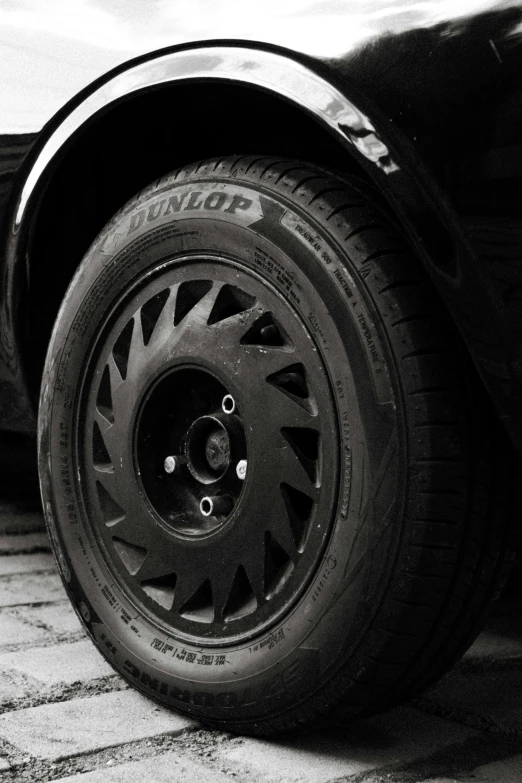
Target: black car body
point(423, 113)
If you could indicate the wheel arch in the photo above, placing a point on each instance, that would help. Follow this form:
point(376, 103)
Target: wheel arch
point(235, 90)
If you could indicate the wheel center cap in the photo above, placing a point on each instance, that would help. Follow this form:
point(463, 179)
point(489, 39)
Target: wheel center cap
point(217, 450)
point(208, 449)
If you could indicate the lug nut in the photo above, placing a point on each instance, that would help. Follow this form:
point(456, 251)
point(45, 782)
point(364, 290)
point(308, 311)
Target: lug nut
point(269, 331)
point(241, 469)
point(215, 504)
point(228, 404)
point(173, 463)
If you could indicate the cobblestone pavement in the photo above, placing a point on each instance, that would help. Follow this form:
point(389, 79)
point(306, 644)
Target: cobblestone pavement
point(66, 716)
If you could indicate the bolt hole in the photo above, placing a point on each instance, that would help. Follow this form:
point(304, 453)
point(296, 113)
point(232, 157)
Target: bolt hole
point(229, 404)
point(206, 507)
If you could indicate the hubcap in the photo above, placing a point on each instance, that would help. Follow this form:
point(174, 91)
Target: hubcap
point(210, 450)
point(217, 450)
point(182, 410)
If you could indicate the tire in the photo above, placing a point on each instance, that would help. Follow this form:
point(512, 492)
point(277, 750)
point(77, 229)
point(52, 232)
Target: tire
point(265, 470)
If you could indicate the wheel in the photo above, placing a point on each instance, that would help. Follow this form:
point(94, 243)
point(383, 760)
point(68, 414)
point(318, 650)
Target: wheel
point(265, 471)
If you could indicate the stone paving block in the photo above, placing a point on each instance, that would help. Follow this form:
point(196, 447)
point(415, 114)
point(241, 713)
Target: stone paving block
point(86, 725)
point(505, 771)
point(30, 589)
point(502, 637)
point(14, 631)
point(15, 518)
point(59, 664)
point(29, 542)
point(397, 737)
point(58, 617)
point(441, 780)
point(24, 564)
point(14, 686)
point(477, 693)
point(494, 646)
point(168, 768)
point(11, 691)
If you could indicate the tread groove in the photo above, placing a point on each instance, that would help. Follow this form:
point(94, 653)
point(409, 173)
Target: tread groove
point(342, 208)
point(357, 231)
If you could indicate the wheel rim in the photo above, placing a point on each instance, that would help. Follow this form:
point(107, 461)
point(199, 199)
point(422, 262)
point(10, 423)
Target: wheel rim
point(208, 450)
